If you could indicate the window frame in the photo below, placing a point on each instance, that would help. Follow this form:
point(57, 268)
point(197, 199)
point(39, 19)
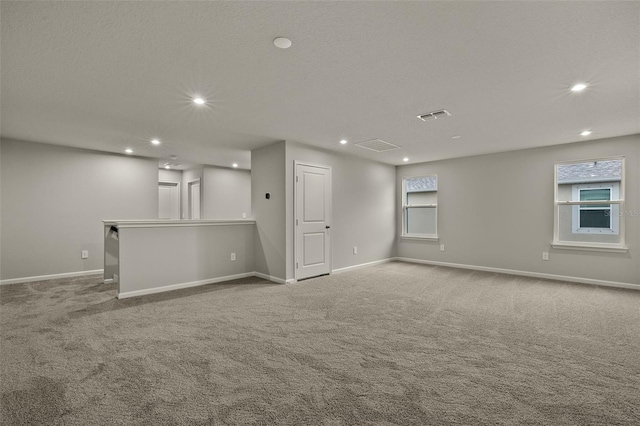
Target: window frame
point(405, 208)
point(619, 247)
point(614, 209)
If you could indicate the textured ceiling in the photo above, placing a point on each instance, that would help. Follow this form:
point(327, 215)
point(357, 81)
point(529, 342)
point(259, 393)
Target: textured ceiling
point(109, 75)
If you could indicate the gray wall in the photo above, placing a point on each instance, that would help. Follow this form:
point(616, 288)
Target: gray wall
point(227, 193)
point(54, 199)
point(497, 211)
point(364, 213)
point(170, 176)
point(188, 176)
point(189, 253)
point(268, 175)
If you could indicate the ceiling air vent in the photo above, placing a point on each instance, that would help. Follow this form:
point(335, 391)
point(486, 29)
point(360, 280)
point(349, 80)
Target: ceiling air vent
point(434, 115)
point(377, 145)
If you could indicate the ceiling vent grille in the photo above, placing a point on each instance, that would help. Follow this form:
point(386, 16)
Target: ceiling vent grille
point(377, 145)
point(434, 115)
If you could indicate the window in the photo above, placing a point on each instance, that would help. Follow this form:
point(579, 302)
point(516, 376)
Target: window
point(596, 218)
point(589, 197)
point(420, 207)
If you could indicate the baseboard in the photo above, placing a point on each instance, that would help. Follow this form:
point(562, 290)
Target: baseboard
point(362, 265)
point(270, 278)
point(524, 273)
point(51, 277)
point(183, 285)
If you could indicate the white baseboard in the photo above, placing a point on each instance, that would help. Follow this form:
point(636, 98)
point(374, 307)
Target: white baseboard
point(523, 273)
point(183, 285)
point(362, 265)
point(51, 277)
point(271, 278)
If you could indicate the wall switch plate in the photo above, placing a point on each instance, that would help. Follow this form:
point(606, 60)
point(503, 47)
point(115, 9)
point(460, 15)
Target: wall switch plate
point(441, 247)
point(233, 256)
point(244, 215)
point(355, 250)
point(545, 255)
point(84, 254)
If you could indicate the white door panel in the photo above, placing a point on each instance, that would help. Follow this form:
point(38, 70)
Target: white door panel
point(168, 201)
point(313, 221)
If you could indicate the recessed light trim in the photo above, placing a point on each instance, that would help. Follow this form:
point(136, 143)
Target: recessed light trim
point(167, 167)
point(578, 87)
point(155, 141)
point(405, 159)
point(282, 43)
point(585, 133)
point(343, 142)
point(234, 165)
point(199, 101)
point(456, 137)
point(128, 151)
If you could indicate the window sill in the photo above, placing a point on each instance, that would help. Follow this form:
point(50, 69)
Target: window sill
point(416, 237)
point(610, 248)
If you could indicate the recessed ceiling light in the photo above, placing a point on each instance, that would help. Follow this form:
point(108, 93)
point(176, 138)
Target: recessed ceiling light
point(578, 87)
point(234, 165)
point(343, 141)
point(128, 151)
point(405, 159)
point(282, 43)
point(585, 133)
point(167, 167)
point(456, 137)
point(199, 101)
point(155, 141)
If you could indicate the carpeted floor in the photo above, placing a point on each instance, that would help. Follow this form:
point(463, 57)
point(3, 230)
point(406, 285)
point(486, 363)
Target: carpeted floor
point(391, 344)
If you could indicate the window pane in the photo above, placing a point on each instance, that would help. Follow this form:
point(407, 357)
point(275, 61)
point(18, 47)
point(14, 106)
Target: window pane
point(588, 226)
point(595, 218)
point(421, 221)
point(590, 171)
point(595, 194)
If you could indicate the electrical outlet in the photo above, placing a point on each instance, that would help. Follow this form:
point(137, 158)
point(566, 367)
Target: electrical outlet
point(545, 255)
point(355, 250)
point(233, 256)
point(441, 247)
point(84, 254)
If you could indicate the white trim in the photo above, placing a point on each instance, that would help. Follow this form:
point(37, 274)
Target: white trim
point(270, 278)
point(362, 265)
point(108, 281)
point(51, 277)
point(417, 237)
point(524, 273)
point(177, 185)
point(611, 248)
point(182, 285)
point(169, 223)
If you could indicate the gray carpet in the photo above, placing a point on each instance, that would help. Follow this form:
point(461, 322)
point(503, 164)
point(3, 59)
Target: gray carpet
point(391, 344)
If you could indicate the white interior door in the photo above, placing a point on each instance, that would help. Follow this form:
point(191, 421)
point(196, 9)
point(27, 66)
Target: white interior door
point(313, 221)
point(168, 201)
point(194, 199)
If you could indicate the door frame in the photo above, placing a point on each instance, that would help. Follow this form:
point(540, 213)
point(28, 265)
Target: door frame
point(295, 215)
point(177, 185)
point(189, 203)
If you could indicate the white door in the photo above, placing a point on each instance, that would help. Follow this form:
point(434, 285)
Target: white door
point(194, 199)
point(168, 201)
point(312, 221)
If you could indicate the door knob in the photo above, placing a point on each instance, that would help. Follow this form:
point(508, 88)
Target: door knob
point(327, 227)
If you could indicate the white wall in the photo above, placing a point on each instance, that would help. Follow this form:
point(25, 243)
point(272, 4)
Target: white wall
point(174, 176)
point(364, 213)
point(497, 211)
point(268, 175)
point(54, 198)
point(227, 193)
